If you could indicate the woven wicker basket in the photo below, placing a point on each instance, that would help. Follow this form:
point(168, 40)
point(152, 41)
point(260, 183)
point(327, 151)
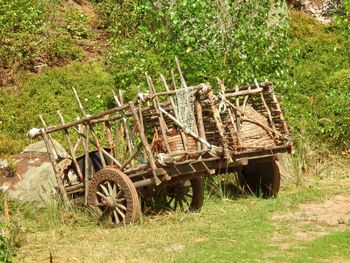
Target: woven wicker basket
point(253, 135)
point(176, 145)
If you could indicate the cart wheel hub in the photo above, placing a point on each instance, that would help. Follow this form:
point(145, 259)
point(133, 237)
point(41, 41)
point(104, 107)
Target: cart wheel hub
point(110, 201)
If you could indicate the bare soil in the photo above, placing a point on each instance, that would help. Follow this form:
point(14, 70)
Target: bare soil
point(313, 220)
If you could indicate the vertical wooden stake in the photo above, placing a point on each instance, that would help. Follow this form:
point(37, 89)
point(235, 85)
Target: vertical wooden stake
point(110, 138)
point(200, 123)
point(145, 144)
point(71, 149)
point(234, 134)
point(58, 173)
point(87, 166)
point(97, 143)
point(125, 124)
point(156, 104)
point(172, 103)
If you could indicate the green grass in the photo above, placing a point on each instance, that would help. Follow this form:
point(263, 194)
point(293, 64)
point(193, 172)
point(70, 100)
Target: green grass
point(45, 94)
point(226, 230)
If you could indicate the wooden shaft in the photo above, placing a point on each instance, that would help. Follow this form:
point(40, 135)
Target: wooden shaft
point(58, 173)
point(235, 133)
point(52, 129)
point(200, 123)
point(172, 103)
point(97, 143)
point(268, 112)
point(274, 99)
point(219, 125)
point(110, 138)
point(238, 92)
point(265, 85)
point(145, 143)
point(81, 130)
point(125, 124)
point(238, 114)
point(187, 131)
point(162, 124)
point(119, 144)
point(70, 146)
point(143, 128)
point(182, 79)
point(87, 166)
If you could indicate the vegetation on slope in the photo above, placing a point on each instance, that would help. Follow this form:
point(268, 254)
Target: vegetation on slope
point(40, 33)
point(316, 98)
point(234, 40)
point(310, 63)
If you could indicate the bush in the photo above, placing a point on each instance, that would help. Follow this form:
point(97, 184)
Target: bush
point(234, 40)
point(34, 32)
point(316, 97)
point(48, 92)
point(21, 24)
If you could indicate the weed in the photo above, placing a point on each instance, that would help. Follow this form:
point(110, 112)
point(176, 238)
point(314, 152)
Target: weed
point(78, 24)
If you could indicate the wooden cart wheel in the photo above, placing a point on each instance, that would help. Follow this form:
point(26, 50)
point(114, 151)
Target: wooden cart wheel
point(185, 196)
point(114, 196)
point(261, 177)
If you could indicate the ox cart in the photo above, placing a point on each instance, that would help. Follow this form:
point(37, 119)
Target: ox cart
point(158, 147)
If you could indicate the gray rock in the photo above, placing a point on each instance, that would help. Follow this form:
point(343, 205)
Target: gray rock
point(37, 184)
point(41, 147)
point(35, 179)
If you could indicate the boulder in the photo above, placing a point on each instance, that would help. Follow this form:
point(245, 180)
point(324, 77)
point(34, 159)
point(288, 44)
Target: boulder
point(31, 176)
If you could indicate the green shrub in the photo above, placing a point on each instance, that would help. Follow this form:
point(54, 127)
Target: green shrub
point(77, 24)
point(235, 40)
point(316, 98)
point(62, 49)
point(22, 23)
point(36, 32)
point(48, 92)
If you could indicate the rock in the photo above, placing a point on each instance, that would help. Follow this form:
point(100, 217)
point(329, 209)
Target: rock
point(40, 147)
point(34, 179)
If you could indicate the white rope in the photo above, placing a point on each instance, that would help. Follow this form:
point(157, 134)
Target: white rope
point(222, 105)
point(141, 97)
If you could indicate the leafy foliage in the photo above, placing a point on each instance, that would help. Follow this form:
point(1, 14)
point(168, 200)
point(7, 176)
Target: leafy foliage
point(36, 32)
point(236, 40)
point(45, 94)
point(21, 24)
point(317, 96)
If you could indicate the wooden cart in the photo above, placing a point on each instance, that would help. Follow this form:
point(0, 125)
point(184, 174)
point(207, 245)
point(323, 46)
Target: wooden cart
point(159, 147)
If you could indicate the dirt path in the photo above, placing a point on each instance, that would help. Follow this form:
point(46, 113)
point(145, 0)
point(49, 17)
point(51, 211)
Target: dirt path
point(313, 220)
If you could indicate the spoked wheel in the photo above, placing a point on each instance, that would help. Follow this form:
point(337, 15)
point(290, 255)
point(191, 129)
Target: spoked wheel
point(185, 196)
point(114, 196)
point(261, 177)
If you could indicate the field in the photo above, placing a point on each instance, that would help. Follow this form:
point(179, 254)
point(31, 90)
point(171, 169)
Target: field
point(100, 46)
point(303, 224)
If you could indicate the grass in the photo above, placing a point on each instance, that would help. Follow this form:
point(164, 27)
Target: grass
point(226, 230)
point(45, 94)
